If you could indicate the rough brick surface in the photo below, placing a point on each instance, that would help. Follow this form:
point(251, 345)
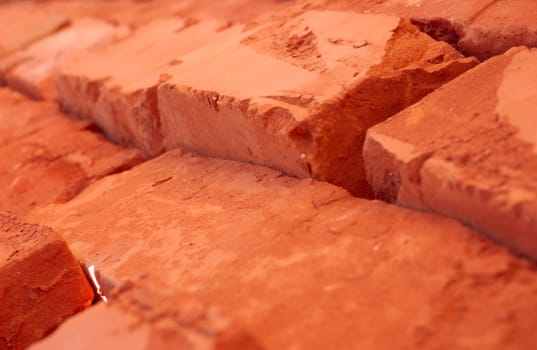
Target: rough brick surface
point(16, 31)
point(33, 70)
point(46, 157)
point(41, 283)
point(303, 92)
point(150, 316)
point(500, 26)
point(20, 117)
point(120, 94)
point(481, 28)
point(469, 151)
point(137, 13)
point(301, 264)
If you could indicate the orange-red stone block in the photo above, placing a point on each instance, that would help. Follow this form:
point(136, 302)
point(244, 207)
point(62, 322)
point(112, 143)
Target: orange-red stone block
point(47, 157)
point(468, 151)
point(33, 70)
point(18, 30)
point(481, 28)
point(41, 283)
point(117, 86)
point(150, 316)
point(299, 263)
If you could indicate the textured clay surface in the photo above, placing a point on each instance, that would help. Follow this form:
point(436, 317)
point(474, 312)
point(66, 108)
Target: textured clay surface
point(41, 283)
point(472, 156)
point(303, 92)
point(33, 70)
point(481, 28)
point(150, 316)
point(16, 32)
point(301, 264)
point(499, 26)
point(37, 143)
point(121, 95)
point(427, 104)
point(136, 13)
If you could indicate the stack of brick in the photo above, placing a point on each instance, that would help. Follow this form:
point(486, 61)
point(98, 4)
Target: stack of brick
point(204, 253)
point(302, 93)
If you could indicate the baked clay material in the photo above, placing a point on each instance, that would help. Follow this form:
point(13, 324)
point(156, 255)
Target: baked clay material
point(232, 11)
point(135, 13)
point(500, 26)
point(481, 28)
point(152, 318)
point(120, 94)
point(33, 70)
point(17, 31)
point(469, 151)
point(298, 95)
point(301, 264)
point(46, 157)
point(41, 283)
point(20, 117)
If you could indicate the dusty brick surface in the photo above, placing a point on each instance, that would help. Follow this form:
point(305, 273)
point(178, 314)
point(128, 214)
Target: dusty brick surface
point(150, 316)
point(120, 94)
point(468, 151)
point(298, 263)
point(481, 28)
point(500, 26)
point(203, 253)
point(41, 283)
point(303, 92)
point(138, 13)
point(17, 32)
point(232, 11)
point(19, 117)
point(46, 157)
point(33, 70)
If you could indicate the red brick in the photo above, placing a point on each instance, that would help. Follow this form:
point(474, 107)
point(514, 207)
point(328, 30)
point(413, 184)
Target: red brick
point(501, 26)
point(148, 317)
point(303, 92)
point(50, 157)
point(480, 28)
point(137, 13)
point(18, 31)
point(19, 117)
point(468, 151)
point(33, 70)
point(120, 94)
point(299, 263)
point(41, 283)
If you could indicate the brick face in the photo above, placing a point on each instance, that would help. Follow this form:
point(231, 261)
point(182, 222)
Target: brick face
point(300, 263)
point(41, 285)
point(148, 316)
point(33, 70)
point(45, 157)
point(480, 28)
point(467, 156)
point(17, 32)
point(119, 94)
